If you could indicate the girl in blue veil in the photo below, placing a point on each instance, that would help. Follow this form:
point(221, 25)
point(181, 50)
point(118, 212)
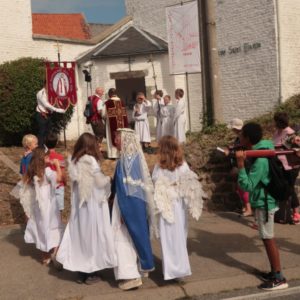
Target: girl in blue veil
point(133, 189)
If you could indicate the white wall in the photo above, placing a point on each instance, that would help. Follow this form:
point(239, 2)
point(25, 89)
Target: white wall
point(102, 69)
point(289, 46)
point(16, 35)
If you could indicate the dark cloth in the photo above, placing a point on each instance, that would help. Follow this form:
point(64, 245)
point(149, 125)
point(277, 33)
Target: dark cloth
point(44, 126)
point(291, 177)
point(95, 117)
point(99, 129)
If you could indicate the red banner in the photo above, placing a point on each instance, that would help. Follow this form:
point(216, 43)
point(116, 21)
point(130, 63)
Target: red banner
point(61, 84)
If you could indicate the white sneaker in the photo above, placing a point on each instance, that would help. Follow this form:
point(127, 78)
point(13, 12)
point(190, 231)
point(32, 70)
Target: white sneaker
point(145, 274)
point(130, 284)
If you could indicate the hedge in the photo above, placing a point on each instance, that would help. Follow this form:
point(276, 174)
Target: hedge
point(20, 80)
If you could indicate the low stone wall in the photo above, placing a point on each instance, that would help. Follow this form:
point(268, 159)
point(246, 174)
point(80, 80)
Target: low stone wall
point(218, 182)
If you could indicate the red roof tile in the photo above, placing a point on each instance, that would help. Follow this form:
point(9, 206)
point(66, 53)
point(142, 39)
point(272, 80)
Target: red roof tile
point(71, 26)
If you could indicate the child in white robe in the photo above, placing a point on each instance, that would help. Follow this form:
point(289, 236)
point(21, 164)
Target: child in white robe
point(87, 245)
point(176, 191)
point(37, 196)
point(180, 116)
point(166, 117)
point(157, 104)
point(141, 125)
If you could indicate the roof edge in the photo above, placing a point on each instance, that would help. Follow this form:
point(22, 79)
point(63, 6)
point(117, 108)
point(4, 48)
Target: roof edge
point(61, 39)
point(107, 32)
point(93, 41)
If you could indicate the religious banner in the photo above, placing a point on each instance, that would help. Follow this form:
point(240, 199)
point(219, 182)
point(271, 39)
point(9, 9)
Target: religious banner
point(61, 84)
point(183, 38)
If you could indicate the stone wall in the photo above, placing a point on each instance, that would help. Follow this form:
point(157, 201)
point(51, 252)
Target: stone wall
point(247, 46)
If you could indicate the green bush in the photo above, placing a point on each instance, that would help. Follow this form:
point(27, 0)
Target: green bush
point(20, 80)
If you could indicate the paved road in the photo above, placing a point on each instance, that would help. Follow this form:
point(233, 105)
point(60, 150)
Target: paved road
point(224, 254)
point(293, 293)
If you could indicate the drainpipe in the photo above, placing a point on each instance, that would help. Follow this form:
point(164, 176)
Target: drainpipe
point(208, 113)
point(276, 11)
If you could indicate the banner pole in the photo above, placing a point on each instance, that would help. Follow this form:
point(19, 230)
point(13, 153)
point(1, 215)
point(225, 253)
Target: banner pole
point(64, 128)
point(188, 99)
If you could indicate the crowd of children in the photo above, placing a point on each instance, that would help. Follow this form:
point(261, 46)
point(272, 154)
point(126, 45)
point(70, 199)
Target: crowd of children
point(109, 218)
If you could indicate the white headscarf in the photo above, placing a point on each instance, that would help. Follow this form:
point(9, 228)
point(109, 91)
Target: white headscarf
point(131, 150)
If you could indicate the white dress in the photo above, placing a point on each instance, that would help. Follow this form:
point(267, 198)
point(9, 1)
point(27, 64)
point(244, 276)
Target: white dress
point(173, 236)
point(157, 104)
point(175, 193)
point(166, 120)
point(44, 227)
point(141, 125)
point(87, 245)
point(127, 260)
point(180, 120)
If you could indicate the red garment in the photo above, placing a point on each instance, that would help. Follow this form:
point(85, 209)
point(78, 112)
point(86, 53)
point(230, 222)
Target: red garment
point(95, 116)
point(54, 155)
point(116, 116)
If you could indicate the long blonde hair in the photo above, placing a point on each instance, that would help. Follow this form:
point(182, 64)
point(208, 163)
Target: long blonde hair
point(170, 153)
point(36, 166)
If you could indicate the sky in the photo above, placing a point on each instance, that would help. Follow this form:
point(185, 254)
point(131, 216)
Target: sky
point(95, 11)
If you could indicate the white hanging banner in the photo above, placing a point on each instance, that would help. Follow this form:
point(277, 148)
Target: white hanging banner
point(183, 38)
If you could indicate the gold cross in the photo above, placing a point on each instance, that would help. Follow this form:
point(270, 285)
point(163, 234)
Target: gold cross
point(118, 112)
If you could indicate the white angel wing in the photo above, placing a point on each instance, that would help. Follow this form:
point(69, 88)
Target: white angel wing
point(164, 193)
point(190, 189)
point(27, 199)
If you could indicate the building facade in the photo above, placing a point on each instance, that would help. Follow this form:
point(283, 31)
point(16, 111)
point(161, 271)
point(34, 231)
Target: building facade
point(253, 51)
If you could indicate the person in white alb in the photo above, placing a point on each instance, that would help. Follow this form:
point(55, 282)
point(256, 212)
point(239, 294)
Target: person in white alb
point(157, 103)
point(180, 116)
point(141, 125)
point(166, 117)
point(43, 111)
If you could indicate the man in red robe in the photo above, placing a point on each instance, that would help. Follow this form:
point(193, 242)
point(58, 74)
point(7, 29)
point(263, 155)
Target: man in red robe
point(114, 112)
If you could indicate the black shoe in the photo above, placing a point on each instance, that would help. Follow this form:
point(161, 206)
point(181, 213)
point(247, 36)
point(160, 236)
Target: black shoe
point(81, 277)
point(275, 284)
point(92, 279)
point(264, 276)
point(149, 150)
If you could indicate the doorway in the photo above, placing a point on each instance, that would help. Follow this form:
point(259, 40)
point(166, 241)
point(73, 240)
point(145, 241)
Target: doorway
point(127, 90)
